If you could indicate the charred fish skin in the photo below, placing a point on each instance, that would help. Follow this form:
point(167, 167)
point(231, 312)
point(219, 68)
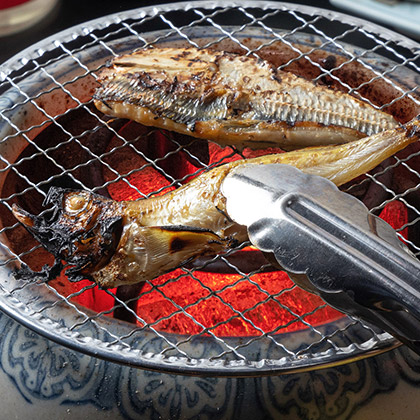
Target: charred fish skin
point(116, 243)
point(84, 229)
point(232, 99)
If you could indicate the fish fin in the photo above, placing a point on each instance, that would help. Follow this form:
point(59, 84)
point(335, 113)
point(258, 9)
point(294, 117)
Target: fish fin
point(181, 240)
point(147, 252)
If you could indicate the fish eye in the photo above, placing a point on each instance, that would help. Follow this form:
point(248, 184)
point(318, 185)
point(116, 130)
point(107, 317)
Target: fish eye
point(76, 203)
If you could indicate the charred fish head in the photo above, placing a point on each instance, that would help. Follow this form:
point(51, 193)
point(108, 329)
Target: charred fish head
point(82, 228)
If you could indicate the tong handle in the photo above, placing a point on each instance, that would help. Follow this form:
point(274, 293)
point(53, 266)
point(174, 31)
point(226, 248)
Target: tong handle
point(352, 259)
point(389, 271)
point(352, 269)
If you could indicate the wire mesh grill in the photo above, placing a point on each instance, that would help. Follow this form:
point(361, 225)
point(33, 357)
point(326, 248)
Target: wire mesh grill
point(52, 135)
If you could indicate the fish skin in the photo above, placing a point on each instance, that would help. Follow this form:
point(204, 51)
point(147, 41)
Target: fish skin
point(231, 99)
point(116, 243)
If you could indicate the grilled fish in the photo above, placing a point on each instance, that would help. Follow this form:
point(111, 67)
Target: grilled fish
point(231, 99)
point(127, 242)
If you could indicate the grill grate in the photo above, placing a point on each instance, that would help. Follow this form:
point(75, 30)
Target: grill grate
point(52, 135)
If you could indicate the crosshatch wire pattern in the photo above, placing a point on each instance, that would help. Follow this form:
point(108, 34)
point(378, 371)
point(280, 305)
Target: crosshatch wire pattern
point(52, 135)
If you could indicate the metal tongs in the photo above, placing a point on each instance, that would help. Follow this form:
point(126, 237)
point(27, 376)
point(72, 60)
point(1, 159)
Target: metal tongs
point(329, 244)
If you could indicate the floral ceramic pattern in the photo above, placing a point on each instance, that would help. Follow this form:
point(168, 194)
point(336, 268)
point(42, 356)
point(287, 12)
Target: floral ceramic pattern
point(41, 370)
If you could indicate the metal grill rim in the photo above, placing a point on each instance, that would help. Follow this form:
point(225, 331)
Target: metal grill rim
point(119, 347)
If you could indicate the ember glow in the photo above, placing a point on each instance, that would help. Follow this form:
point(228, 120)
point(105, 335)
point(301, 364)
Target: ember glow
point(229, 304)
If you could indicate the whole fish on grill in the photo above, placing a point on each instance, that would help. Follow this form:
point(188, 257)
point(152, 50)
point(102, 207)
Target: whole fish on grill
point(127, 242)
point(232, 100)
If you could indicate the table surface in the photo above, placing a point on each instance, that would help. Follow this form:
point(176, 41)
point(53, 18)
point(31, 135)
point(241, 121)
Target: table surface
point(69, 13)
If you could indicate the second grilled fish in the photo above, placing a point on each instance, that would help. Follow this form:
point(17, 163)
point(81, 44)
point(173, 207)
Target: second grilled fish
point(231, 99)
point(128, 242)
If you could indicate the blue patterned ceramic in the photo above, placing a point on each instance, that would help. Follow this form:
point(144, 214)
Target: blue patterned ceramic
point(43, 380)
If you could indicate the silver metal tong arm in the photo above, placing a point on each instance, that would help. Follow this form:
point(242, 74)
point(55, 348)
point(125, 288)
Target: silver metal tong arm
point(330, 244)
